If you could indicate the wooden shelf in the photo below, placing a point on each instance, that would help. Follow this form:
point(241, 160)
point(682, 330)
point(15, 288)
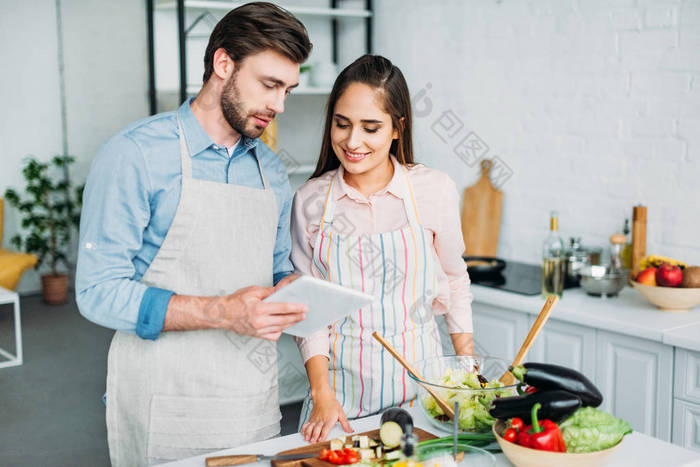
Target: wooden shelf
point(296, 10)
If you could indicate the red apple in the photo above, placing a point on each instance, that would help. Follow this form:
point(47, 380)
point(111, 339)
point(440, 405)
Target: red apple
point(647, 277)
point(669, 276)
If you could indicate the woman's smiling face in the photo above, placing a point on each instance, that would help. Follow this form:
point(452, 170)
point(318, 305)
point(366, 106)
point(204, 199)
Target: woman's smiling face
point(362, 132)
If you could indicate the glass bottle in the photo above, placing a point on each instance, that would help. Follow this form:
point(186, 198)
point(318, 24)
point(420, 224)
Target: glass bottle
point(553, 260)
point(617, 245)
point(627, 249)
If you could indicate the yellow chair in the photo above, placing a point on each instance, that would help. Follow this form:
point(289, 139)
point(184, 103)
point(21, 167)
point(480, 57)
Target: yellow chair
point(12, 264)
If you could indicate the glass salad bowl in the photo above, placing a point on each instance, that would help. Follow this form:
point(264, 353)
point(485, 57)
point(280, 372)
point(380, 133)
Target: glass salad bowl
point(471, 380)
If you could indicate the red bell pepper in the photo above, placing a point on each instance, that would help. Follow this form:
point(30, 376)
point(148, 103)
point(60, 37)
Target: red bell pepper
point(544, 435)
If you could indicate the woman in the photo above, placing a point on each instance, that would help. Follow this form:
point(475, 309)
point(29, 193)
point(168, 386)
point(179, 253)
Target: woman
point(388, 227)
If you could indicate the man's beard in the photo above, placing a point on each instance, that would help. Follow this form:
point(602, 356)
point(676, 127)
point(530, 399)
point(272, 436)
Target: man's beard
point(234, 111)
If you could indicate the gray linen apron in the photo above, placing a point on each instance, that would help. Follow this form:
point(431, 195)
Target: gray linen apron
point(192, 392)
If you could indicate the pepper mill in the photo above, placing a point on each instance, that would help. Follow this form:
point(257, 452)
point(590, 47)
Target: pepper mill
point(639, 238)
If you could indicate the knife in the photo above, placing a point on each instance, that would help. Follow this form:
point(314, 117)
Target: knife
point(248, 458)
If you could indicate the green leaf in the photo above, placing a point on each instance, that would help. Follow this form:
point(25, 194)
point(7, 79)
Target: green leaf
point(12, 197)
point(62, 161)
point(16, 241)
point(590, 429)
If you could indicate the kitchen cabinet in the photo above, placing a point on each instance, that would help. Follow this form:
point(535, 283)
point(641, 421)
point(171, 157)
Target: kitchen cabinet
point(686, 402)
point(686, 424)
point(687, 382)
point(635, 376)
point(565, 344)
point(498, 332)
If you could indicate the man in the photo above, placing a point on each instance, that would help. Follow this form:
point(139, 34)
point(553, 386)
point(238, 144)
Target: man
point(184, 231)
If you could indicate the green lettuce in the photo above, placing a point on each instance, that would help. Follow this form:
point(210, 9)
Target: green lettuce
point(473, 405)
point(590, 429)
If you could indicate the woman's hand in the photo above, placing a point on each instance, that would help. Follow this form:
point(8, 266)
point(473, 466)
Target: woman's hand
point(326, 413)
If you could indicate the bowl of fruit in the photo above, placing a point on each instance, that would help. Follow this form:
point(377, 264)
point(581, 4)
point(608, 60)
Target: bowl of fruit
point(470, 380)
point(556, 422)
point(669, 284)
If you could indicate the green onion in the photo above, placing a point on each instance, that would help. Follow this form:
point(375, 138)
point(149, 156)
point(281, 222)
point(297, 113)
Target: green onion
point(465, 438)
point(464, 441)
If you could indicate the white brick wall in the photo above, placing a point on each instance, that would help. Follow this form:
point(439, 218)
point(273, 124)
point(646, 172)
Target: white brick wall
point(594, 105)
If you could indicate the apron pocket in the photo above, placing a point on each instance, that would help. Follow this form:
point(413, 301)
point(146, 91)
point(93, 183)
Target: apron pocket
point(184, 426)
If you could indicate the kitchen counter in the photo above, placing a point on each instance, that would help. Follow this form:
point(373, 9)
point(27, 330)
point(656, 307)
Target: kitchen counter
point(628, 313)
point(636, 449)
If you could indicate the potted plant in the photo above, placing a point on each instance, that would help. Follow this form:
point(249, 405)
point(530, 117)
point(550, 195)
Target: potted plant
point(48, 215)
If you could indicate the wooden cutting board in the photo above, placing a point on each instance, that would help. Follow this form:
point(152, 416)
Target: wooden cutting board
point(316, 448)
point(481, 215)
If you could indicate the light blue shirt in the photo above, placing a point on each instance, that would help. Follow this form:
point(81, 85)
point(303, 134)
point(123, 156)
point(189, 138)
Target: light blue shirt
point(129, 202)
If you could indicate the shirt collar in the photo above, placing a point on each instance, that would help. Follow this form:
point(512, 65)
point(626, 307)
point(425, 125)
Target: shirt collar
point(394, 187)
point(197, 139)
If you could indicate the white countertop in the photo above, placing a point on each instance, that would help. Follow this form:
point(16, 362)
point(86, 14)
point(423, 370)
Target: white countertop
point(628, 313)
point(636, 449)
point(687, 337)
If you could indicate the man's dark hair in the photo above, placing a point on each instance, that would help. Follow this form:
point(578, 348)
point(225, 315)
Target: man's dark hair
point(256, 27)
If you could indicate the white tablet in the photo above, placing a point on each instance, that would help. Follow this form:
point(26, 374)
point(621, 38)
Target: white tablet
point(327, 302)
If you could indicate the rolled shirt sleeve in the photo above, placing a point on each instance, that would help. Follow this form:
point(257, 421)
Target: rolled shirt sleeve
point(116, 210)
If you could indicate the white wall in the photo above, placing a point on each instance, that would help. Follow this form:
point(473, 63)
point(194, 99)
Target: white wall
point(594, 106)
point(105, 56)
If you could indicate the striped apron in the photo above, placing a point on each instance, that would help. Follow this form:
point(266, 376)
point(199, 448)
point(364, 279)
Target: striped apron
point(399, 269)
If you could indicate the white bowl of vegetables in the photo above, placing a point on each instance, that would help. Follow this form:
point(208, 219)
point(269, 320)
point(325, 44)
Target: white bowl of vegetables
point(591, 435)
point(470, 380)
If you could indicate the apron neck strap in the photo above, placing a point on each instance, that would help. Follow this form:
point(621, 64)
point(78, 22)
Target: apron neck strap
point(409, 201)
point(262, 172)
point(185, 158)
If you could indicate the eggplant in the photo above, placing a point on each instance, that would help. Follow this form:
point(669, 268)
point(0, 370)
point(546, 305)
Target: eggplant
point(390, 433)
point(556, 405)
point(544, 377)
point(400, 416)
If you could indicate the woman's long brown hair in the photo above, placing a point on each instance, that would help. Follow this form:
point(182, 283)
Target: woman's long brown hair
point(380, 74)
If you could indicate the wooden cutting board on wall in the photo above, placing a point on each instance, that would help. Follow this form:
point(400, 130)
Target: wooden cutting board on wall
point(481, 215)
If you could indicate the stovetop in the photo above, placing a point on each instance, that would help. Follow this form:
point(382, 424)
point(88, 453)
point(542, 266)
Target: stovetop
point(517, 277)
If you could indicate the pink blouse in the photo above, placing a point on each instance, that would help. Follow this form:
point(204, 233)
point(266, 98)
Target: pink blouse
point(437, 200)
